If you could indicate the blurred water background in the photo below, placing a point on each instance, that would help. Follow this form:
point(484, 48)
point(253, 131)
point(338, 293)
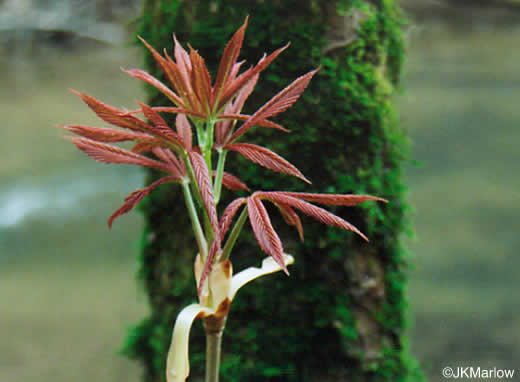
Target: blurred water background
point(67, 285)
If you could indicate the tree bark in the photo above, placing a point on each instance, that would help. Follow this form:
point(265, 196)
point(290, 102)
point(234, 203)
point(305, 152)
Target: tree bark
point(340, 316)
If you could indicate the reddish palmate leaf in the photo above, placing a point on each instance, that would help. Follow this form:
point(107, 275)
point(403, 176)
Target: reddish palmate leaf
point(172, 73)
point(183, 60)
point(176, 166)
point(206, 189)
point(264, 232)
point(148, 78)
point(109, 154)
point(208, 265)
point(317, 213)
point(184, 76)
point(184, 130)
point(234, 71)
point(112, 115)
point(233, 87)
point(266, 158)
point(262, 122)
point(228, 60)
point(223, 127)
point(160, 127)
point(333, 199)
point(168, 109)
point(232, 183)
point(136, 196)
point(244, 93)
point(291, 217)
point(108, 135)
point(200, 81)
point(278, 104)
point(143, 147)
point(227, 216)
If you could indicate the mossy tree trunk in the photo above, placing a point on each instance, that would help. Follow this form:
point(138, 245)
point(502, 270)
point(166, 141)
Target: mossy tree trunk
point(341, 314)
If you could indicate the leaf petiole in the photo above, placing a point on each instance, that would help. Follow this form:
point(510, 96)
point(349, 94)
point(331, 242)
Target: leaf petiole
point(197, 229)
point(233, 236)
point(217, 186)
point(208, 143)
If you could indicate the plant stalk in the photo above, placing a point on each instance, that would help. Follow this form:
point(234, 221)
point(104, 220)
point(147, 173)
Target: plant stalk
point(197, 229)
point(213, 346)
point(233, 236)
point(217, 187)
point(193, 179)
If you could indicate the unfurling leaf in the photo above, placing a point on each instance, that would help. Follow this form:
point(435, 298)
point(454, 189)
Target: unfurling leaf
point(333, 199)
point(136, 196)
point(227, 216)
point(185, 70)
point(112, 115)
point(172, 110)
point(266, 158)
point(232, 88)
point(148, 78)
point(184, 130)
point(176, 166)
point(262, 122)
point(160, 127)
point(110, 154)
point(317, 213)
point(183, 60)
point(208, 264)
point(143, 147)
point(244, 93)
point(264, 232)
point(228, 60)
point(231, 182)
point(172, 73)
point(278, 104)
point(108, 135)
point(200, 81)
point(206, 189)
point(291, 217)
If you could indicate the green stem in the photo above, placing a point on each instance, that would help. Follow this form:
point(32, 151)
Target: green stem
point(201, 134)
point(197, 229)
point(213, 346)
point(208, 145)
point(233, 236)
point(193, 179)
point(217, 186)
point(198, 196)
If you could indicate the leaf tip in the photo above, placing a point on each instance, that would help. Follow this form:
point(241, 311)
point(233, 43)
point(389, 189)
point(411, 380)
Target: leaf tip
point(305, 179)
point(362, 235)
point(75, 92)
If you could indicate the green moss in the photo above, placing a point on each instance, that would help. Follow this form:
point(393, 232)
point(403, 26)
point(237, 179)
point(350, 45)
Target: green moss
point(341, 314)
